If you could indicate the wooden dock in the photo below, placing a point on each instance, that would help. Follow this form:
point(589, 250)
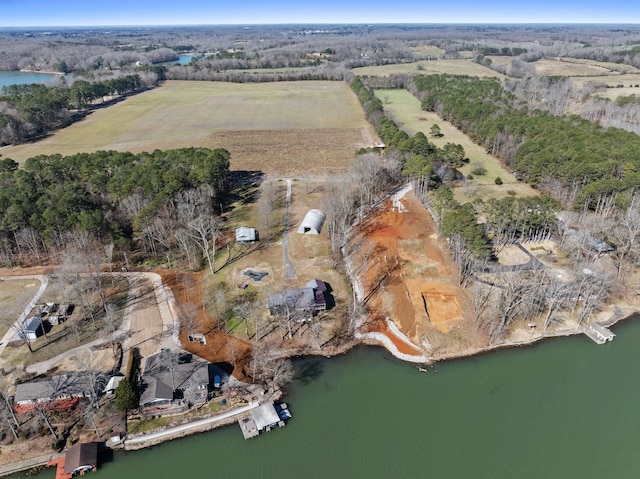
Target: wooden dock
point(59, 463)
point(248, 427)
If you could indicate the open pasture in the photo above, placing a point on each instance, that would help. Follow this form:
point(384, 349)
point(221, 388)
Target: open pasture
point(405, 110)
point(548, 67)
point(428, 50)
point(430, 67)
point(279, 128)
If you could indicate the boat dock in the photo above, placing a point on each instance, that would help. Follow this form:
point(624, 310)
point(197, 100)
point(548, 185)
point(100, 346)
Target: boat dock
point(59, 464)
point(598, 333)
point(263, 418)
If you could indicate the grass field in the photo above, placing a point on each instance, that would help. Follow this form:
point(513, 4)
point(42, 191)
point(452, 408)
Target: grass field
point(279, 128)
point(453, 67)
point(562, 68)
point(613, 93)
point(14, 296)
point(428, 50)
point(405, 110)
point(626, 80)
point(612, 67)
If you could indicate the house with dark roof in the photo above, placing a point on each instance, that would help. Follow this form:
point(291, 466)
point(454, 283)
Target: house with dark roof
point(171, 385)
point(60, 393)
point(301, 302)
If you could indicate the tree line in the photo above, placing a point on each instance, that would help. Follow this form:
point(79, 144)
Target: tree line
point(29, 111)
point(163, 201)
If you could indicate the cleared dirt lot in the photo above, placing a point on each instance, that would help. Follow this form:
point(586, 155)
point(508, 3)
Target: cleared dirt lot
point(277, 127)
point(407, 276)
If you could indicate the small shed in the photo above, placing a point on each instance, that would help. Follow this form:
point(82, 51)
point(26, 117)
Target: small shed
point(81, 458)
point(32, 328)
point(246, 235)
point(112, 384)
point(312, 222)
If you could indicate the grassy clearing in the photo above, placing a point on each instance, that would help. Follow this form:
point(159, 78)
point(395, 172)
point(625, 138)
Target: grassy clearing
point(613, 93)
point(612, 67)
point(406, 111)
point(428, 50)
point(14, 296)
point(280, 127)
point(568, 69)
point(452, 67)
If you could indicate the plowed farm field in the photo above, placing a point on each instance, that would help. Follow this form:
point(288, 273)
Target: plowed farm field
point(281, 128)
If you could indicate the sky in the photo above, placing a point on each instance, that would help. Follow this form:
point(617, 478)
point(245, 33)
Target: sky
point(21, 13)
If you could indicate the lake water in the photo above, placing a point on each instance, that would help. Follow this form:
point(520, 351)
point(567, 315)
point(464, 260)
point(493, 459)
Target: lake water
point(565, 408)
point(182, 60)
point(21, 78)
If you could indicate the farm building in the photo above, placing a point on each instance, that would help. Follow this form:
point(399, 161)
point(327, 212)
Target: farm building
point(169, 385)
point(81, 458)
point(312, 222)
point(60, 393)
point(246, 235)
point(32, 328)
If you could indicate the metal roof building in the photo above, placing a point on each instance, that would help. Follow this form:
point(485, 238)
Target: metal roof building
point(312, 222)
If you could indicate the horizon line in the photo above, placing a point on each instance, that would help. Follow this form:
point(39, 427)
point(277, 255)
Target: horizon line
point(366, 24)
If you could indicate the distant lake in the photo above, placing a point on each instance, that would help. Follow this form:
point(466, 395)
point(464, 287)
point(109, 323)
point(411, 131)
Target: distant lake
point(182, 60)
point(22, 78)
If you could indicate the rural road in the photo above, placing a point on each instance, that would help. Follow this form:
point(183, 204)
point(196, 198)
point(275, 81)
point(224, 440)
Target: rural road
point(289, 271)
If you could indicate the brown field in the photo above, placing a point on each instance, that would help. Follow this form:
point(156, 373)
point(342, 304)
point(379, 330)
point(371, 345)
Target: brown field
point(410, 279)
point(430, 67)
point(280, 128)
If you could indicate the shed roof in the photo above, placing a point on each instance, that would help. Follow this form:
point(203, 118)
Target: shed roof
point(601, 330)
point(265, 415)
point(244, 233)
point(312, 222)
point(80, 456)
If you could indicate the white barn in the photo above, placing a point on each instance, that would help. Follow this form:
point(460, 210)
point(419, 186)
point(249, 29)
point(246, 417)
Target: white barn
point(312, 222)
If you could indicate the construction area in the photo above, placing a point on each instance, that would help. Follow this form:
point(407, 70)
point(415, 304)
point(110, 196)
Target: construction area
point(407, 282)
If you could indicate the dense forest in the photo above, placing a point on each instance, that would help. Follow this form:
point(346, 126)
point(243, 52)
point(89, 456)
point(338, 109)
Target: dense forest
point(123, 198)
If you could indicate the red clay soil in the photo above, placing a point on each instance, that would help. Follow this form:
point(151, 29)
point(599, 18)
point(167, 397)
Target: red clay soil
point(220, 347)
point(408, 278)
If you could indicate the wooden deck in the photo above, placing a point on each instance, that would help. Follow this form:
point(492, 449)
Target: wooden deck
point(59, 463)
point(248, 427)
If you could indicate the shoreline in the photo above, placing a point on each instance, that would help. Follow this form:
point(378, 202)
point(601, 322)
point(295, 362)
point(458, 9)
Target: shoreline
point(154, 438)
